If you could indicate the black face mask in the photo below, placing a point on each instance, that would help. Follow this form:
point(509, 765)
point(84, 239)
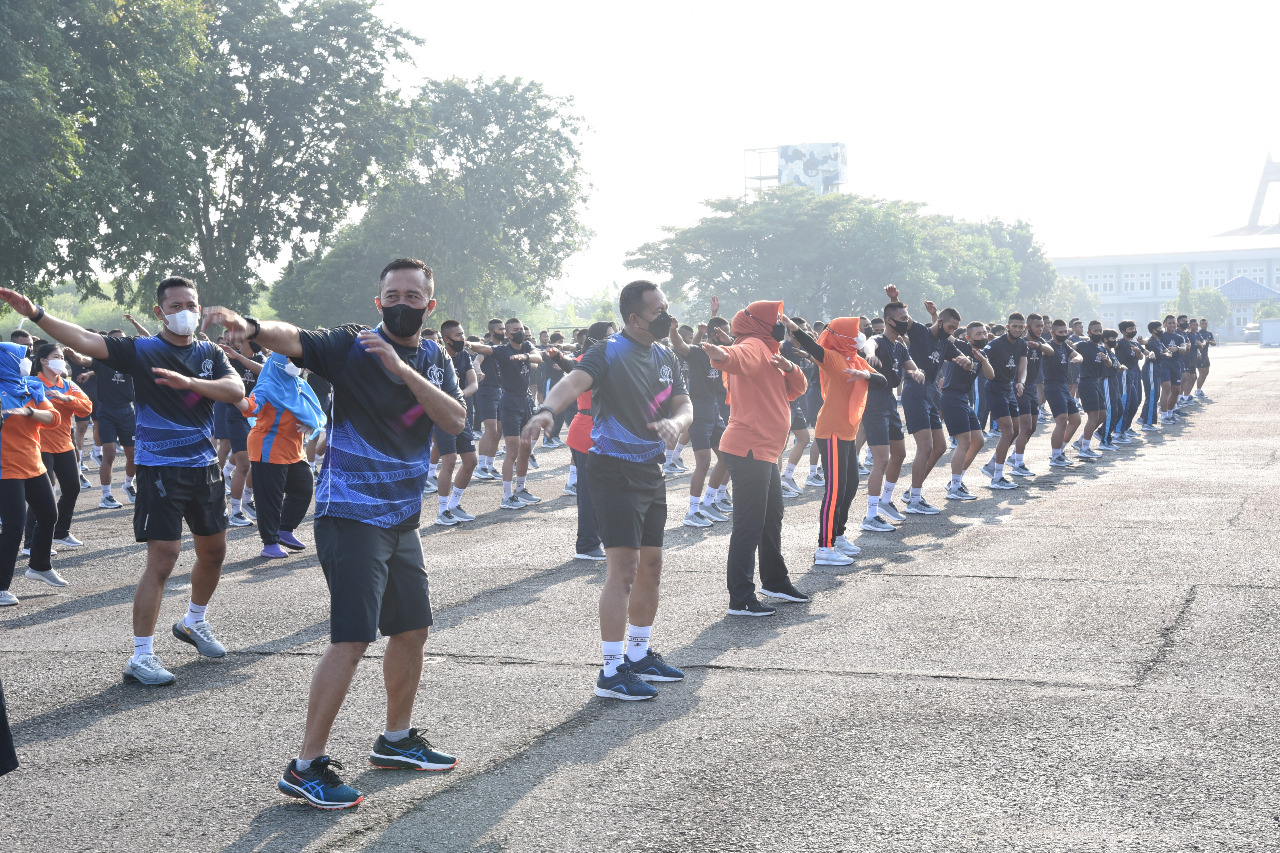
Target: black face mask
point(517, 338)
point(456, 346)
point(1132, 333)
point(659, 326)
point(779, 332)
point(1061, 336)
point(900, 326)
point(402, 320)
point(1183, 326)
point(979, 342)
point(1097, 339)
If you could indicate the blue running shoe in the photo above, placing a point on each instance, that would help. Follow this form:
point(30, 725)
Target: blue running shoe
point(652, 667)
point(624, 684)
point(319, 785)
point(410, 753)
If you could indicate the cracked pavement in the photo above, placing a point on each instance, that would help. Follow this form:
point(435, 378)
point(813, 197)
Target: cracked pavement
point(1090, 662)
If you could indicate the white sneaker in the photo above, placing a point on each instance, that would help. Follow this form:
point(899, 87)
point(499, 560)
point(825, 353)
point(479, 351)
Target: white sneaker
point(815, 480)
point(696, 519)
point(831, 557)
point(1021, 470)
point(1061, 462)
point(789, 485)
point(846, 547)
point(890, 511)
point(920, 506)
point(26, 552)
point(7, 599)
point(50, 577)
point(68, 541)
point(959, 495)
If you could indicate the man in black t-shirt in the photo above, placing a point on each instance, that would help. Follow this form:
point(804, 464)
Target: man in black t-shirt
point(368, 508)
point(116, 422)
point(1008, 357)
point(1207, 340)
point(448, 449)
point(512, 361)
point(638, 405)
point(883, 426)
point(701, 378)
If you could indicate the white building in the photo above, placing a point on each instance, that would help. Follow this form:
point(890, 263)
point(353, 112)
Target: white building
point(1137, 286)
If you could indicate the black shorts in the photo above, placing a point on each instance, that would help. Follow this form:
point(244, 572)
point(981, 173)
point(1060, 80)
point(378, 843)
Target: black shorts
point(377, 579)
point(515, 412)
point(705, 431)
point(168, 495)
point(235, 426)
point(958, 414)
point(1073, 373)
point(487, 404)
point(1028, 403)
point(117, 425)
point(450, 444)
point(1060, 402)
point(1170, 372)
point(630, 501)
point(1001, 401)
point(1091, 399)
point(798, 419)
point(881, 422)
point(918, 408)
point(219, 421)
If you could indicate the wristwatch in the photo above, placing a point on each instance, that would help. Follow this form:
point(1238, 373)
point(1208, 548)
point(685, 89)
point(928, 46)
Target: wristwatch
point(542, 409)
point(257, 327)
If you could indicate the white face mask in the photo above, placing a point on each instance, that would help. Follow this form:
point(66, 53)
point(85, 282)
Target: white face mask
point(183, 323)
point(862, 342)
point(24, 367)
point(292, 369)
point(58, 366)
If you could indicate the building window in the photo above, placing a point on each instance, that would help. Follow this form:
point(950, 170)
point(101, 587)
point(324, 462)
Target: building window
point(1258, 274)
point(1203, 278)
point(1130, 281)
point(1101, 282)
point(1219, 277)
point(1169, 281)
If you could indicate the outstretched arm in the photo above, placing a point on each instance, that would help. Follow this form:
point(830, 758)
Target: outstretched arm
point(79, 339)
point(272, 334)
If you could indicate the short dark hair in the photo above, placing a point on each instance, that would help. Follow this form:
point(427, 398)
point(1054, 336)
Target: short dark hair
point(1031, 318)
point(1093, 323)
point(1016, 316)
point(170, 282)
point(685, 331)
point(1110, 333)
point(116, 332)
point(974, 324)
point(1168, 317)
point(557, 338)
point(799, 321)
point(1059, 322)
point(495, 320)
point(1182, 317)
point(1074, 320)
point(449, 325)
point(427, 331)
point(1127, 324)
point(893, 306)
point(1154, 326)
point(405, 264)
point(716, 322)
point(949, 314)
point(16, 333)
point(631, 299)
point(599, 330)
point(514, 320)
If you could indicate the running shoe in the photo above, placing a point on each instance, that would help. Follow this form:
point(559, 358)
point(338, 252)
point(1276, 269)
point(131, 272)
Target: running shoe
point(533, 461)
point(670, 470)
point(446, 519)
point(1003, 484)
point(239, 519)
point(596, 554)
point(830, 557)
point(789, 485)
point(461, 514)
point(502, 451)
point(844, 546)
point(431, 486)
point(958, 495)
point(274, 551)
point(26, 552)
point(786, 592)
point(952, 445)
point(201, 636)
point(920, 506)
point(1150, 428)
point(413, 752)
point(989, 470)
point(877, 525)
point(1021, 470)
point(1107, 445)
point(709, 511)
point(319, 786)
point(1123, 438)
point(652, 667)
point(109, 502)
point(571, 490)
point(1061, 462)
point(1199, 392)
point(512, 503)
point(625, 685)
point(132, 494)
point(484, 474)
point(49, 576)
point(696, 519)
point(815, 479)
point(7, 599)
point(550, 443)
point(863, 470)
point(96, 455)
point(1088, 453)
point(250, 511)
point(526, 498)
point(288, 540)
point(891, 511)
point(85, 485)
point(148, 670)
point(751, 607)
point(723, 505)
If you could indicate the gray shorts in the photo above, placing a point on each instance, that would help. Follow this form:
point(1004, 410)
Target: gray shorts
point(376, 577)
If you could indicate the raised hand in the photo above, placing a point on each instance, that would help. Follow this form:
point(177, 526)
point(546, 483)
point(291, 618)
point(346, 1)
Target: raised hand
point(855, 374)
point(371, 342)
point(19, 303)
point(715, 305)
point(715, 353)
point(780, 361)
point(891, 290)
point(235, 325)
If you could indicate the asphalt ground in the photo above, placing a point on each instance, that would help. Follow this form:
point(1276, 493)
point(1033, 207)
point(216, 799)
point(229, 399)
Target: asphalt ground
point(1090, 662)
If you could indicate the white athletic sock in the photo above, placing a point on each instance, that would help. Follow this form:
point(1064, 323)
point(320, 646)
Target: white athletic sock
point(992, 460)
point(613, 654)
point(873, 505)
point(997, 471)
point(573, 475)
point(506, 488)
point(1017, 459)
point(432, 469)
point(670, 454)
point(248, 494)
point(679, 449)
point(195, 613)
point(637, 642)
point(128, 481)
point(886, 494)
point(790, 470)
point(709, 496)
point(106, 491)
point(228, 470)
point(519, 484)
point(482, 462)
point(455, 498)
point(915, 493)
point(694, 503)
point(396, 735)
point(97, 448)
point(235, 505)
point(956, 480)
point(443, 501)
point(302, 765)
point(142, 646)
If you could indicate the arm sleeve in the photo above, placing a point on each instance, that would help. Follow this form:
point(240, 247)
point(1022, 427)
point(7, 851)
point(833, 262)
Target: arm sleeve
point(45, 405)
point(877, 380)
point(80, 404)
point(733, 360)
point(795, 383)
point(324, 351)
point(594, 363)
point(948, 349)
point(809, 345)
point(122, 355)
point(221, 364)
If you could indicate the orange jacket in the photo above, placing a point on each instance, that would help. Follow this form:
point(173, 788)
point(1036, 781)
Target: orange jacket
point(20, 444)
point(760, 414)
point(275, 437)
point(59, 440)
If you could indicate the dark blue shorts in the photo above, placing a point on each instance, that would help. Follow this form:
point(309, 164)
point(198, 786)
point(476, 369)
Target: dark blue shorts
point(881, 423)
point(958, 414)
point(235, 427)
point(918, 408)
point(705, 431)
point(1091, 399)
point(514, 411)
point(117, 425)
point(1001, 401)
point(450, 444)
point(487, 403)
point(1028, 403)
point(1170, 371)
point(1060, 402)
point(799, 420)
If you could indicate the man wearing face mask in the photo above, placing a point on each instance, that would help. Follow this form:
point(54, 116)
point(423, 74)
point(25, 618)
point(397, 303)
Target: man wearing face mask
point(450, 486)
point(117, 423)
point(1062, 405)
point(1008, 356)
point(1130, 355)
point(512, 361)
point(1092, 370)
point(487, 399)
point(176, 379)
point(368, 509)
point(888, 354)
point(958, 378)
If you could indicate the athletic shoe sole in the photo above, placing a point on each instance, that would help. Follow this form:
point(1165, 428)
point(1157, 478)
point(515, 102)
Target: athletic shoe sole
point(733, 612)
point(609, 694)
point(785, 596)
point(298, 794)
point(391, 762)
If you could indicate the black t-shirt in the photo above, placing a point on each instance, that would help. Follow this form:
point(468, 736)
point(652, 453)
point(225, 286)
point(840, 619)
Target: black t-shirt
point(1159, 352)
point(1127, 352)
point(633, 384)
point(175, 428)
point(515, 374)
point(380, 443)
point(1055, 367)
point(1033, 359)
point(461, 364)
point(250, 378)
point(928, 351)
point(955, 378)
point(703, 382)
point(1093, 355)
point(1004, 355)
point(324, 390)
point(114, 387)
point(893, 357)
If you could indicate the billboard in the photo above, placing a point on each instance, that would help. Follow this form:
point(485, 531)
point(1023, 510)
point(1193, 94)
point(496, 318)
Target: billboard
point(820, 166)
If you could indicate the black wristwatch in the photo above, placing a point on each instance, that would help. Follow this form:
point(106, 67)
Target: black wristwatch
point(542, 409)
point(257, 327)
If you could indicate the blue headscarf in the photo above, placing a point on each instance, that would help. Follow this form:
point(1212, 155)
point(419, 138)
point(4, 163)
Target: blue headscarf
point(17, 390)
point(288, 393)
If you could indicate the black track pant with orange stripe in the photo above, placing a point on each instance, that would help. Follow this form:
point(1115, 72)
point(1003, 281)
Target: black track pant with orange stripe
point(842, 488)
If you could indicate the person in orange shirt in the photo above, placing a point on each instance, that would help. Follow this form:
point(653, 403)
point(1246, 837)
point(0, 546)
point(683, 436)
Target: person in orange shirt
point(56, 451)
point(845, 377)
point(24, 411)
point(286, 411)
point(762, 384)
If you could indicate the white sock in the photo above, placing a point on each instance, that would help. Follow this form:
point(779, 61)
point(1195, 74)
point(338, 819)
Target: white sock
point(670, 454)
point(128, 481)
point(483, 462)
point(886, 494)
point(195, 613)
point(248, 494)
point(694, 503)
point(506, 488)
point(235, 505)
point(956, 480)
point(992, 460)
point(997, 471)
point(302, 765)
point(455, 498)
point(709, 496)
point(228, 470)
point(142, 646)
point(443, 500)
point(573, 475)
point(679, 449)
point(519, 484)
point(397, 735)
point(97, 448)
point(915, 493)
point(106, 491)
point(1017, 459)
point(790, 470)
point(637, 642)
point(873, 505)
point(613, 654)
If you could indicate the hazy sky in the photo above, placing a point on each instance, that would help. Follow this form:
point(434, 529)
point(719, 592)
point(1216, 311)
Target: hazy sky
point(1111, 127)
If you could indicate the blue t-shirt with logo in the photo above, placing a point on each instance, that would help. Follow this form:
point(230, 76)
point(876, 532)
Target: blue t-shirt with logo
point(633, 385)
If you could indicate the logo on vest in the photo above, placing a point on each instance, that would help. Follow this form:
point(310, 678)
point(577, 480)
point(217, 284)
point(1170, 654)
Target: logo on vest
point(664, 374)
point(435, 375)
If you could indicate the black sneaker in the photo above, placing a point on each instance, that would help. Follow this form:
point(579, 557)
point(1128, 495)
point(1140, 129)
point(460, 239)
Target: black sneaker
point(319, 785)
point(751, 607)
point(411, 753)
point(625, 685)
point(652, 667)
point(786, 592)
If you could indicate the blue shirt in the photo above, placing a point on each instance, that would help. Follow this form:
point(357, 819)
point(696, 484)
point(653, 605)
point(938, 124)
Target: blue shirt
point(175, 428)
point(632, 385)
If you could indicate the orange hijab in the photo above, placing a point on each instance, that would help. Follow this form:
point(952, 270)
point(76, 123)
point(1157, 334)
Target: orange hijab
point(755, 321)
point(840, 338)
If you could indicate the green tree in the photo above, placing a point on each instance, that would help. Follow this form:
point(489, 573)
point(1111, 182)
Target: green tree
point(1185, 287)
point(1204, 302)
point(1069, 297)
point(972, 273)
point(490, 200)
point(1266, 310)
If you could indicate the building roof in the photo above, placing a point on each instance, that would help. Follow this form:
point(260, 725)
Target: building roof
point(1244, 289)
